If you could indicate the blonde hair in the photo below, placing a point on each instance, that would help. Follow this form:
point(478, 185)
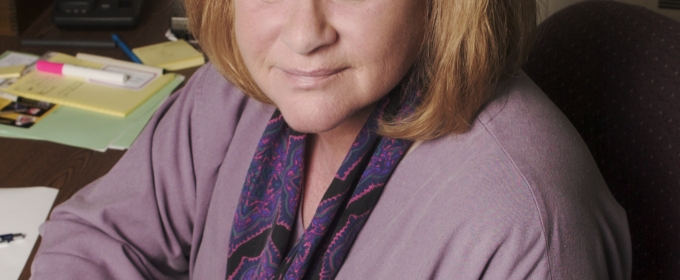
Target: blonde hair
point(469, 47)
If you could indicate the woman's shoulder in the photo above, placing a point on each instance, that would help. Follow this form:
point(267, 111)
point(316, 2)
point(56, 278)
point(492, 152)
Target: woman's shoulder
point(208, 85)
point(214, 102)
point(538, 140)
point(522, 127)
point(523, 167)
point(522, 141)
point(208, 113)
point(521, 111)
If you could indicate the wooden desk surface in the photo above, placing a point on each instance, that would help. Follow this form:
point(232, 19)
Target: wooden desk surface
point(25, 163)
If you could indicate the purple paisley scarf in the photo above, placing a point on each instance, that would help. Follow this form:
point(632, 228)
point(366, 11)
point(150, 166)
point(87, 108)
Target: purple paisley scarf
point(268, 205)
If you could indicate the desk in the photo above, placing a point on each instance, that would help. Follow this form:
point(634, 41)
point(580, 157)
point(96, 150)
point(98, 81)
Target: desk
point(26, 163)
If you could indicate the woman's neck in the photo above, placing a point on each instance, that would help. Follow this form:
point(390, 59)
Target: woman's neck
point(325, 153)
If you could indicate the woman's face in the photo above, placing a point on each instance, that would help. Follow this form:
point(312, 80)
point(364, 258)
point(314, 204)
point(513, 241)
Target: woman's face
point(324, 63)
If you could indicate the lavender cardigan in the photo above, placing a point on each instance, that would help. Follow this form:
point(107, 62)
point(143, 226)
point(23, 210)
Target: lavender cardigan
point(517, 197)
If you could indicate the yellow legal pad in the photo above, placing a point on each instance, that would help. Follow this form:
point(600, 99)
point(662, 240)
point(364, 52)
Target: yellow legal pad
point(78, 93)
point(170, 55)
point(11, 71)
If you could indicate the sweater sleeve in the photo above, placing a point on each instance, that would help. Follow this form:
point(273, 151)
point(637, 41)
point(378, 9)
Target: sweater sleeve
point(142, 219)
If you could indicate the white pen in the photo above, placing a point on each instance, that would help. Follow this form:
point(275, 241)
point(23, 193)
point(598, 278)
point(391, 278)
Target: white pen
point(82, 72)
point(120, 63)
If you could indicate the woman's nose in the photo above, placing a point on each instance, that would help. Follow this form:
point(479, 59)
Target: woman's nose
point(307, 29)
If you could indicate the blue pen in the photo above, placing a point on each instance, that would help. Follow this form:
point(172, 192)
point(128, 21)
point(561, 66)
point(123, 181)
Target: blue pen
point(7, 238)
point(125, 48)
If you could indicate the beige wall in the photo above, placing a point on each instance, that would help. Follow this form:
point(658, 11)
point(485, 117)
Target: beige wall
point(549, 7)
point(653, 5)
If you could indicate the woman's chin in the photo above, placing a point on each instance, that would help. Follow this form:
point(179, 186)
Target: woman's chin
point(311, 123)
point(338, 118)
point(310, 126)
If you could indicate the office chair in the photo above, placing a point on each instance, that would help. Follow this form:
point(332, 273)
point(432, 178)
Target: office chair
point(612, 68)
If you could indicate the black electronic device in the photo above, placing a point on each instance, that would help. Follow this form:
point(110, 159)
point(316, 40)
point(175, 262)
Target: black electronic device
point(179, 22)
point(96, 14)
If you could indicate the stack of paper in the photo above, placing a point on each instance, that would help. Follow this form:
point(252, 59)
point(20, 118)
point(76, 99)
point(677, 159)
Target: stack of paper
point(170, 55)
point(94, 96)
point(89, 128)
point(15, 59)
point(13, 71)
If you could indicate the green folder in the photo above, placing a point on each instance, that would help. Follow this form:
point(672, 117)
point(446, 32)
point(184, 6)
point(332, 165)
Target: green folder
point(91, 130)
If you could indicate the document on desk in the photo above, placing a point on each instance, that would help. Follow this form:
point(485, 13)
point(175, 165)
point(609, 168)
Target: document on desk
point(95, 96)
point(90, 130)
point(24, 210)
point(9, 58)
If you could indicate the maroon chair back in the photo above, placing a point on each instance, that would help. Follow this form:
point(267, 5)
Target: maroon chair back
point(612, 68)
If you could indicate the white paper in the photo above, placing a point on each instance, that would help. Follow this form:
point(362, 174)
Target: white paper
point(17, 59)
point(138, 79)
point(12, 59)
point(23, 211)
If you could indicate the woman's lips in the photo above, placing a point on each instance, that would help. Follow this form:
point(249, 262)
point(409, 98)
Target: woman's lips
point(310, 79)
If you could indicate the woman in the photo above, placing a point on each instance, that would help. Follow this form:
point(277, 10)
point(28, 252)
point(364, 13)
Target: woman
point(370, 139)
